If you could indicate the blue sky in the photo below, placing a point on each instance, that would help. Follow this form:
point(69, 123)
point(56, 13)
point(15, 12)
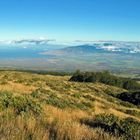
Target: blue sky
point(70, 19)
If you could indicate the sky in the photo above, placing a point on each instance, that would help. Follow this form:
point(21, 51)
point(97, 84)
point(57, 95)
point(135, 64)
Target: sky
point(67, 20)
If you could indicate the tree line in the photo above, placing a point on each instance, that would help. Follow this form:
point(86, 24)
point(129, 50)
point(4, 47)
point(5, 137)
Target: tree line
point(105, 77)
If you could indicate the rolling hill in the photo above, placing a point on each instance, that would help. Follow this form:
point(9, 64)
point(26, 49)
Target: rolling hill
point(49, 107)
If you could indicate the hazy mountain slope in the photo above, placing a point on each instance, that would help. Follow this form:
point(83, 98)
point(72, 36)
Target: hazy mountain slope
point(76, 50)
point(89, 48)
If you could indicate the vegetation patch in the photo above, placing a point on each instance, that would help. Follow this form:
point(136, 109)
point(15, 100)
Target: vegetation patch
point(60, 100)
point(55, 109)
point(20, 104)
point(132, 97)
point(105, 78)
point(126, 128)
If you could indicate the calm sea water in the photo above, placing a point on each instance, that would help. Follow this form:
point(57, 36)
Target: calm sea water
point(34, 51)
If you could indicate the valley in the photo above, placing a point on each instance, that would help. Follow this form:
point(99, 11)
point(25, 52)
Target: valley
point(118, 57)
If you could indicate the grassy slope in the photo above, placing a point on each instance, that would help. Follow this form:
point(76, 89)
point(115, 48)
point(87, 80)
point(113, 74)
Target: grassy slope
point(63, 105)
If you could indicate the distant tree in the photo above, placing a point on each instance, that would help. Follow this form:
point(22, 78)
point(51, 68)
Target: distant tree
point(130, 84)
point(106, 78)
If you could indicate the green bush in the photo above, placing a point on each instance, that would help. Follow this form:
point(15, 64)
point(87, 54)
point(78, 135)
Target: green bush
point(5, 99)
point(108, 119)
point(19, 104)
point(132, 97)
point(127, 128)
point(62, 103)
point(77, 95)
point(51, 98)
point(131, 128)
point(58, 102)
point(26, 104)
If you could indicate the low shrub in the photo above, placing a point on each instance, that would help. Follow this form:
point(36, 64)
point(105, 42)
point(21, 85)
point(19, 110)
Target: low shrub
point(132, 97)
point(20, 104)
point(63, 101)
point(126, 128)
point(77, 95)
point(26, 104)
point(106, 118)
point(131, 128)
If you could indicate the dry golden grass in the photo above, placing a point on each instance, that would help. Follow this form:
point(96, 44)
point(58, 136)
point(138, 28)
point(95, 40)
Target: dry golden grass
point(58, 123)
point(25, 83)
point(17, 88)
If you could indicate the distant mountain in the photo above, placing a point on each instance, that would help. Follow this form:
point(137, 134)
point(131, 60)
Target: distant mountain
point(76, 50)
point(99, 47)
point(81, 50)
point(75, 47)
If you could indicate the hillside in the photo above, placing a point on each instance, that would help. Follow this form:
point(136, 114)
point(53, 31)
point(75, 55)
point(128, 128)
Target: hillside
point(46, 107)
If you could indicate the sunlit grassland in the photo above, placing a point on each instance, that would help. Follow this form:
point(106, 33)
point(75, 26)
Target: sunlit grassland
point(46, 107)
